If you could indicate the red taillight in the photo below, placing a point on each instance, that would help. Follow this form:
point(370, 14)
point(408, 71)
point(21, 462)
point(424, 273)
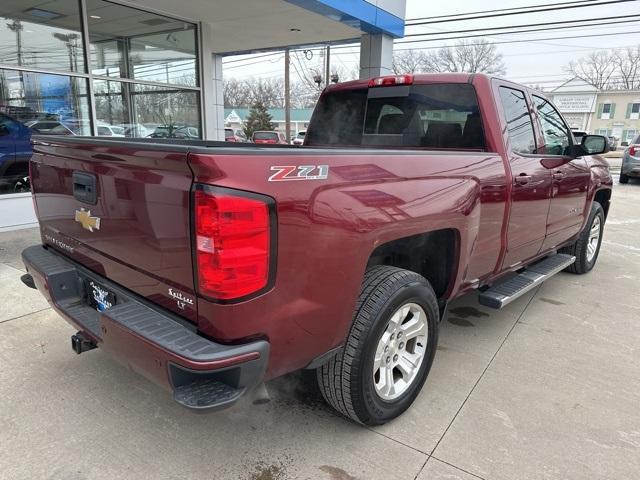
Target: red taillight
point(232, 241)
point(391, 80)
point(634, 149)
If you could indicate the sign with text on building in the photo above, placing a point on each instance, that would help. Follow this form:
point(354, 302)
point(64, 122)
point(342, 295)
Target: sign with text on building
point(575, 120)
point(575, 103)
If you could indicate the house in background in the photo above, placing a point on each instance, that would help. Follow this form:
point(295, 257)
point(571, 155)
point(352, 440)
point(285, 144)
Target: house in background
point(602, 112)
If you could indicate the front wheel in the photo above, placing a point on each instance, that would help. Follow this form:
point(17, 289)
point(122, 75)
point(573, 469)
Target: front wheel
point(624, 178)
point(587, 247)
point(389, 349)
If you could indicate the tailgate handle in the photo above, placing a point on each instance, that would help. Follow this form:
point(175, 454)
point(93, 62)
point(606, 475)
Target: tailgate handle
point(85, 187)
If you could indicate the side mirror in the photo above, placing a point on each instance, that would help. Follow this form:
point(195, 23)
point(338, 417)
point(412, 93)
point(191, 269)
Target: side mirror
point(4, 130)
point(595, 144)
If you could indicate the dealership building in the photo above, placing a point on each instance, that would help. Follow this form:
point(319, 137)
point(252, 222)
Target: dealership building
point(98, 67)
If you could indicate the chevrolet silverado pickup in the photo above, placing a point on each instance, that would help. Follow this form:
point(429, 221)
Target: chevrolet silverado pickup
point(210, 268)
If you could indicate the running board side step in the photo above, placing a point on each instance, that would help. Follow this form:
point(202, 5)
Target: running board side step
point(503, 293)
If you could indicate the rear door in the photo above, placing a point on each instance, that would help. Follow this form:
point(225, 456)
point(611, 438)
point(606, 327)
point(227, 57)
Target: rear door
point(531, 180)
point(570, 176)
point(121, 210)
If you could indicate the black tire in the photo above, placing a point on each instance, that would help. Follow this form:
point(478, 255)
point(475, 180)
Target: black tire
point(579, 247)
point(347, 380)
point(624, 178)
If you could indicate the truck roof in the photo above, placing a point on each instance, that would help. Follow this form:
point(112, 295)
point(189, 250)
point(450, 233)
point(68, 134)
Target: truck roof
point(424, 78)
point(418, 78)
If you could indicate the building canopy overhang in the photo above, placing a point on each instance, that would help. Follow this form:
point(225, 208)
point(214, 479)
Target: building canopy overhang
point(245, 26)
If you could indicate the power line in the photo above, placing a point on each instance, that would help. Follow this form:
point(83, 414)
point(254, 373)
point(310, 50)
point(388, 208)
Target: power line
point(499, 10)
point(506, 27)
point(514, 41)
point(251, 58)
point(507, 13)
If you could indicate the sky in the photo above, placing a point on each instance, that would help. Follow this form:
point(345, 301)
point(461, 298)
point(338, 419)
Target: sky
point(534, 61)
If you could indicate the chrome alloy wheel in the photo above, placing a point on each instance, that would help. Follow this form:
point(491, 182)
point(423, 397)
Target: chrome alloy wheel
point(594, 239)
point(400, 351)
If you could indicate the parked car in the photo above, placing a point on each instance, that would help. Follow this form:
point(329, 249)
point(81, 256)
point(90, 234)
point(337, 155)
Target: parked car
point(50, 127)
point(135, 130)
point(15, 151)
point(579, 134)
point(269, 137)
point(240, 264)
point(299, 140)
point(175, 131)
point(187, 132)
point(104, 130)
point(631, 161)
point(613, 143)
point(233, 136)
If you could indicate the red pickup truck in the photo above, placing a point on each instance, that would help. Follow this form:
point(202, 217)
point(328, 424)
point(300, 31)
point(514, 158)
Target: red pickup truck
point(210, 268)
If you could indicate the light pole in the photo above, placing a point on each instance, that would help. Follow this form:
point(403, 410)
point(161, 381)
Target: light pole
point(70, 40)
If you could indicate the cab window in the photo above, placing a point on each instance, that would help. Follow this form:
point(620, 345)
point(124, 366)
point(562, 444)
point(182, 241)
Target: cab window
point(433, 116)
point(519, 123)
point(555, 131)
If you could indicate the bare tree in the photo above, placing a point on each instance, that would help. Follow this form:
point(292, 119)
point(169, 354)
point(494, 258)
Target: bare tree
point(627, 65)
point(479, 56)
point(595, 69)
point(241, 93)
point(409, 61)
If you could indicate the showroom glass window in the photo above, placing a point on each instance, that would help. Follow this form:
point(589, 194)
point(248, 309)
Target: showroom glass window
point(43, 81)
point(144, 69)
point(110, 70)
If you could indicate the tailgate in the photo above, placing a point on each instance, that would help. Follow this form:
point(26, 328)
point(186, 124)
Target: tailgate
point(122, 210)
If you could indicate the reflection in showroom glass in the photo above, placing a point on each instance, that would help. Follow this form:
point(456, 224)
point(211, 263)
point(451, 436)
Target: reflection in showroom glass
point(40, 103)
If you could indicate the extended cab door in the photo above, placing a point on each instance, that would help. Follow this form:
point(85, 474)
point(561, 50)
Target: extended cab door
point(531, 180)
point(570, 176)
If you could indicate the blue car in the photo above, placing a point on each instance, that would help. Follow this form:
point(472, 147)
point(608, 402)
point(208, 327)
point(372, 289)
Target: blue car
point(15, 151)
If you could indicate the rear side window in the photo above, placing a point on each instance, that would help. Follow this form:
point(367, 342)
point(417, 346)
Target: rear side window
point(556, 133)
point(519, 124)
point(437, 116)
point(265, 136)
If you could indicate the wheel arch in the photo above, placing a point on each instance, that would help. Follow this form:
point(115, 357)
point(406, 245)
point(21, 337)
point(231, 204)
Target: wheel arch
point(433, 254)
point(603, 197)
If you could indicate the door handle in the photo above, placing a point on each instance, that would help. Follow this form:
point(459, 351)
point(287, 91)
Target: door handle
point(523, 179)
point(558, 175)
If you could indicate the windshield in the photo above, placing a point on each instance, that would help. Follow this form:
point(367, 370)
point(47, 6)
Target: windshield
point(437, 116)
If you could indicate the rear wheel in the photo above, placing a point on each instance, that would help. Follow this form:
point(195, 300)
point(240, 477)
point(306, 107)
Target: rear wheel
point(587, 247)
point(624, 178)
point(389, 349)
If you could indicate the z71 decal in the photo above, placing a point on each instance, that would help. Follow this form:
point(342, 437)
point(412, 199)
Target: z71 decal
point(302, 172)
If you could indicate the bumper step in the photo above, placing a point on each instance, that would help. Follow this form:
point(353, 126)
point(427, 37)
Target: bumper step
point(505, 292)
point(206, 394)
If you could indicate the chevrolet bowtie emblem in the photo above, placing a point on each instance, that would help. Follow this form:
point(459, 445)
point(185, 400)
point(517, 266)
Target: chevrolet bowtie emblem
point(84, 218)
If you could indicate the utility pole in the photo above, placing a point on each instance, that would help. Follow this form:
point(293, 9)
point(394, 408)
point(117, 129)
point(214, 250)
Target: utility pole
point(287, 97)
point(16, 26)
point(327, 66)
